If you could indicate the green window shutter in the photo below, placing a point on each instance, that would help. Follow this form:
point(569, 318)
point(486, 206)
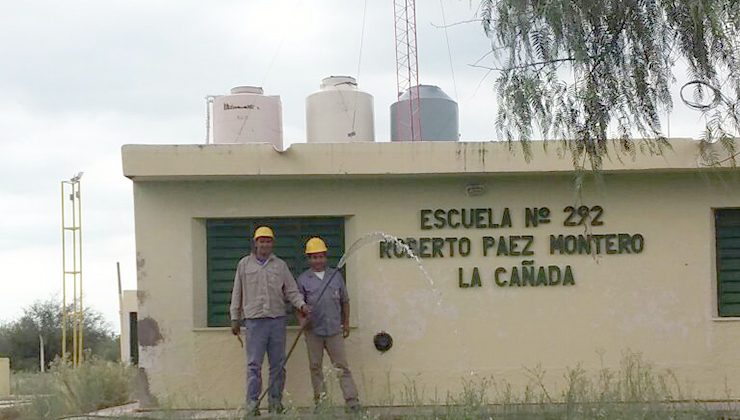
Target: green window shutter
point(228, 240)
point(727, 225)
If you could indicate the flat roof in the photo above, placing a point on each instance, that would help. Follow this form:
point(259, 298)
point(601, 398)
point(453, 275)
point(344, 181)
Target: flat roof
point(235, 161)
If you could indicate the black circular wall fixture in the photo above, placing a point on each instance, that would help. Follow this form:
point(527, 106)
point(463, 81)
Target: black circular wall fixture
point(383, 341)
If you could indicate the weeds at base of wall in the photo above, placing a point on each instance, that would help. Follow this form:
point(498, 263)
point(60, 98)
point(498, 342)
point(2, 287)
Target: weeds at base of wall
point(65, 390)
point(634, 390)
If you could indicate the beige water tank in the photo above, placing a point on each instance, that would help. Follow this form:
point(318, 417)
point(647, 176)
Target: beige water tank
point(248, 116)
point(339, 112)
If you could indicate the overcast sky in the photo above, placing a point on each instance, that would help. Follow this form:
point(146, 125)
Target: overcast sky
point(78, 79)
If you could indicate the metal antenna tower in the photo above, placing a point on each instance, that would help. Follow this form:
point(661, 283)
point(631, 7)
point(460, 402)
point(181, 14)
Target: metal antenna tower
point(407, 65)
point(72, 267)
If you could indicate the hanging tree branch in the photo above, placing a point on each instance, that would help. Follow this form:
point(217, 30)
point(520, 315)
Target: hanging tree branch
point(576, 70)
point(524, 66)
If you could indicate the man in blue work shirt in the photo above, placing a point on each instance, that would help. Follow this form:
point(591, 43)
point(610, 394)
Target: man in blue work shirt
point(328, 324)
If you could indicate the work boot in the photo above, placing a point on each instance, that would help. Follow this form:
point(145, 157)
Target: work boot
point(252, 409)
point(319, 407)
point(320, 403)
point(276, 408)
point(354, 408)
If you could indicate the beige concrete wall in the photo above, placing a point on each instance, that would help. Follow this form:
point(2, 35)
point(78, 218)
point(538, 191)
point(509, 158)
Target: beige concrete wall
point(129, 303)
point(4, 377)
point(660, 302)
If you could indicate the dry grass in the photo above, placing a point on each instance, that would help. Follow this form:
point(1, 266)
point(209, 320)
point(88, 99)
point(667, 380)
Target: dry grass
point(636, 390)
point(64, 390)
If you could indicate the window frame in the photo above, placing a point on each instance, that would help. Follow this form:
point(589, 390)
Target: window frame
point(720, 259)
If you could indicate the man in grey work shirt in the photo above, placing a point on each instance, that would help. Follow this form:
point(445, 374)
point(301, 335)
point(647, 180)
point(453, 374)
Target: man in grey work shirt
point(328, 324)
point(262, 284)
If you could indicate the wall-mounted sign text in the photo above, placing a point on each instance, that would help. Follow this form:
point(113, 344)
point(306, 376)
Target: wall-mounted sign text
point(495, 244)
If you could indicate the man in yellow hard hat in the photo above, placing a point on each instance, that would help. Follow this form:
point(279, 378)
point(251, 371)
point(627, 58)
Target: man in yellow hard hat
point(262, 284)
point(328, 324)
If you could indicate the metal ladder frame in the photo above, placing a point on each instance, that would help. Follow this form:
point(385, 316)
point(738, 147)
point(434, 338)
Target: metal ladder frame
point(72, 270)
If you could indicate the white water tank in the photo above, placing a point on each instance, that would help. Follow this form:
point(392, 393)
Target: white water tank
point(339, 112)
point(248, 116)
point(439, 116)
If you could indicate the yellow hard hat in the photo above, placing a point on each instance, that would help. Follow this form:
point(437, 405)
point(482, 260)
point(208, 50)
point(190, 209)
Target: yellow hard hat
point(315, 245)
point(263, 232)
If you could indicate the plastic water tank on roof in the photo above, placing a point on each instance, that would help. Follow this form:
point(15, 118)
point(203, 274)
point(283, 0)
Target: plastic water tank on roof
point(248, 116)
point(439, 116)
point(339, 112)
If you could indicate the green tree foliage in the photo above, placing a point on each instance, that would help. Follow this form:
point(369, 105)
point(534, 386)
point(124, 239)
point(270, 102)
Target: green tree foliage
point(19, 339)
point(590, 72)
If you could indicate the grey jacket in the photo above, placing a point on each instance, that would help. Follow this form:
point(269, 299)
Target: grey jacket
point(260, 291)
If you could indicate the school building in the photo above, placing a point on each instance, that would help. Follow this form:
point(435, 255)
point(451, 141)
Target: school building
point(524, 271)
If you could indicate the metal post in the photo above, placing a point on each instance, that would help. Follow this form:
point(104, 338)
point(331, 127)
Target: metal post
point(64, 284)
point(82, 307)
point(42, 359)
point(120, 310)
point(120, 289)
point(75, 324)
